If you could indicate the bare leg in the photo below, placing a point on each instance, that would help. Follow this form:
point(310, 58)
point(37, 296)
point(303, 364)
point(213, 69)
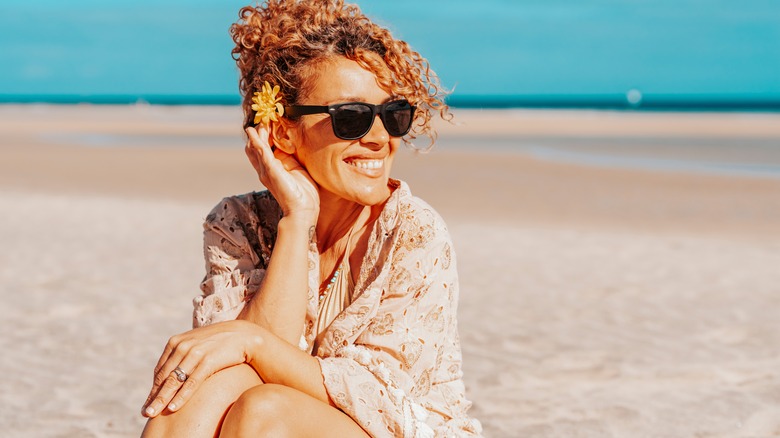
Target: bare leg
point(280, 411)
point(202, 415)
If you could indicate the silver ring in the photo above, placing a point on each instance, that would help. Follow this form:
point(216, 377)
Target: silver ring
point(181, 376)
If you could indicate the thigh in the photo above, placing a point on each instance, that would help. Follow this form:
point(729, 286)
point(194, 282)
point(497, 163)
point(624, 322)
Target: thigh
point(280, 411)
point(203, 414)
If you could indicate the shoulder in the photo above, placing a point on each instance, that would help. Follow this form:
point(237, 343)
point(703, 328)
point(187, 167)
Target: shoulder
point(417, 224)
point(248, 221)
point(423, 258)
point(249, 208)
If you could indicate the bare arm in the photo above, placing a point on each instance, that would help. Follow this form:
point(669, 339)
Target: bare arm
point(206, 350)
point(278, 362)
point(280, 304)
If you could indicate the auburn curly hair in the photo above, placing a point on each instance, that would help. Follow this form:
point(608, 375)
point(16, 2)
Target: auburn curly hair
point(282, 41)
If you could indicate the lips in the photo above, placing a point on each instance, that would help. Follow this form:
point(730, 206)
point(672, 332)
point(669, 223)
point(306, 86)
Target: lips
point(365, 163)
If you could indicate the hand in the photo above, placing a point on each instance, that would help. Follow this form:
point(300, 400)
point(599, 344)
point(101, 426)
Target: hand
point(286, 179)
point(200, 353)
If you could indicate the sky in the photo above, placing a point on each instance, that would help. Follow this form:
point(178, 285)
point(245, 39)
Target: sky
point(709, 48)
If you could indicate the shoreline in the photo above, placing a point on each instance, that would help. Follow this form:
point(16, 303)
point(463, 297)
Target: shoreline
point(741, 144)
point(535, 182)
point(594, 301)
point(749, 102)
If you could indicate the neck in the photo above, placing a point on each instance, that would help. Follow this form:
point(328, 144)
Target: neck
point(337, 217)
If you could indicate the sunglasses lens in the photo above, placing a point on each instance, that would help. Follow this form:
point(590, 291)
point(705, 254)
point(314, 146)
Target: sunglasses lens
point(352, 121)
point(398, 118)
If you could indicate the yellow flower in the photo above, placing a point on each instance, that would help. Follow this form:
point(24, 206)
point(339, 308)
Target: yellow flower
point(266, 104)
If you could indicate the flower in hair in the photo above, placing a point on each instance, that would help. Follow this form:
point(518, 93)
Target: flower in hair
point(266, 104)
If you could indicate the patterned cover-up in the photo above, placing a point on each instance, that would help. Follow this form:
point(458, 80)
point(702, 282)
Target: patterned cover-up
point(391, 360)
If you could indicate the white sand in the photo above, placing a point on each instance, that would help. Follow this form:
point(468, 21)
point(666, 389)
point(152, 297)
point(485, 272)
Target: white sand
point(596, 333)
point(594, 302)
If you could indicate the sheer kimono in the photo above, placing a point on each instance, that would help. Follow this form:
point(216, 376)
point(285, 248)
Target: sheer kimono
point(391, 359)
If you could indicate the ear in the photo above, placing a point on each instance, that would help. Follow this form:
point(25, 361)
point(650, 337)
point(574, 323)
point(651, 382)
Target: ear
point(282, 134)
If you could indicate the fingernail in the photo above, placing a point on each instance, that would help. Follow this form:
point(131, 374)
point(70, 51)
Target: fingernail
point(149, 411)
point(172, 406)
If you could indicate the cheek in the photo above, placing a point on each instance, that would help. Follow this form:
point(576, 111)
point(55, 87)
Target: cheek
point(307, 149)
point(395, 143)
point(317, 156)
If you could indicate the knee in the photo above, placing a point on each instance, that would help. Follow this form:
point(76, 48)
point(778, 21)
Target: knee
point(263, 409)
point(204, 412)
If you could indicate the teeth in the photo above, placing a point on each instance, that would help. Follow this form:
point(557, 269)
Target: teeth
point(366, 164)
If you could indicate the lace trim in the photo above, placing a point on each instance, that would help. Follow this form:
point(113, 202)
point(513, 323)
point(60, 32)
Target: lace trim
point(302, 344)
point(414, 414)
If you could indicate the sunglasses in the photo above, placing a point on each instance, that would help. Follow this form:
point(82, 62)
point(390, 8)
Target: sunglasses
point(353, 120)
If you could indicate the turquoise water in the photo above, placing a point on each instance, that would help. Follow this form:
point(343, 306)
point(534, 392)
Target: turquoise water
point(716, 54)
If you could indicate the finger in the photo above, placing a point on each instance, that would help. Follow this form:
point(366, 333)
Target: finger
point(288, 161)
point(249, 150)
point(169, 387)
point(179, 350)
point(258, 137)
point(280, 154)
point(202, 371)
point(259, 140)
point(172, 384)
point(251, 153)
point(156, 381)
point(169, 347)
point(272, 173)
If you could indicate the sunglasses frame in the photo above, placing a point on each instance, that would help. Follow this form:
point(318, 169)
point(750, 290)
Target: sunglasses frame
point(381, 110)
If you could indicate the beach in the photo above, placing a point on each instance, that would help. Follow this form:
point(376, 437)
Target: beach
point(618, 270)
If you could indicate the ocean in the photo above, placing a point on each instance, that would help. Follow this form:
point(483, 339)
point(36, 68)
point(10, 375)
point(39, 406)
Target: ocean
point(640, 54)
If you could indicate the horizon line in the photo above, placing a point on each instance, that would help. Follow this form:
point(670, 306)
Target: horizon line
point(614, 101)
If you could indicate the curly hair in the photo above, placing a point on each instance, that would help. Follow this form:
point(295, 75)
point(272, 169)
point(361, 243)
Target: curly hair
point(282, 41)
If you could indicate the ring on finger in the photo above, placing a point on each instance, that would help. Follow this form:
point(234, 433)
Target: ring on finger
point(181, 376)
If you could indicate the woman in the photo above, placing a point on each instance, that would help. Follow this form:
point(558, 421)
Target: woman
point(329, 303)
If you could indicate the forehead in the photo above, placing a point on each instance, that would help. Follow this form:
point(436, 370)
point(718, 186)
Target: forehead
point(339, 79)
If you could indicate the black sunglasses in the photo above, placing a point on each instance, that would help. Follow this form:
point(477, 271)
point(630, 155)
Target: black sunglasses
point(353, 120)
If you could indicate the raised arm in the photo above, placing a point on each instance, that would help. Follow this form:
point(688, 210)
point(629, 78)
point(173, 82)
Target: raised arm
point(257, 270)
point(280, 305)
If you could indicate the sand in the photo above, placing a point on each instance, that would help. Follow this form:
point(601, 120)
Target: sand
point(595, 301)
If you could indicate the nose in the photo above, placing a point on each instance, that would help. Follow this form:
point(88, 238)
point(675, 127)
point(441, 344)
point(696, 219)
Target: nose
point(377, 135)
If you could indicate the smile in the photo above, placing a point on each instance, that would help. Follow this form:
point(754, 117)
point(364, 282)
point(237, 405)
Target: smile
point(367, 164)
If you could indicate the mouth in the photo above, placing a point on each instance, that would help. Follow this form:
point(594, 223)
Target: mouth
point(369, 167)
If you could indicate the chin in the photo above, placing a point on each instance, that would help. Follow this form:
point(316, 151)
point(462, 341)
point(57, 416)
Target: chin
point(371, 196)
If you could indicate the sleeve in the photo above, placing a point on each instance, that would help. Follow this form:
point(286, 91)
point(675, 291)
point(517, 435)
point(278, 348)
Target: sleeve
point(391, 380)
point(234, 271)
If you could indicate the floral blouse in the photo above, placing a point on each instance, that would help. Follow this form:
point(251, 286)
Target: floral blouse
point(391, 360)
